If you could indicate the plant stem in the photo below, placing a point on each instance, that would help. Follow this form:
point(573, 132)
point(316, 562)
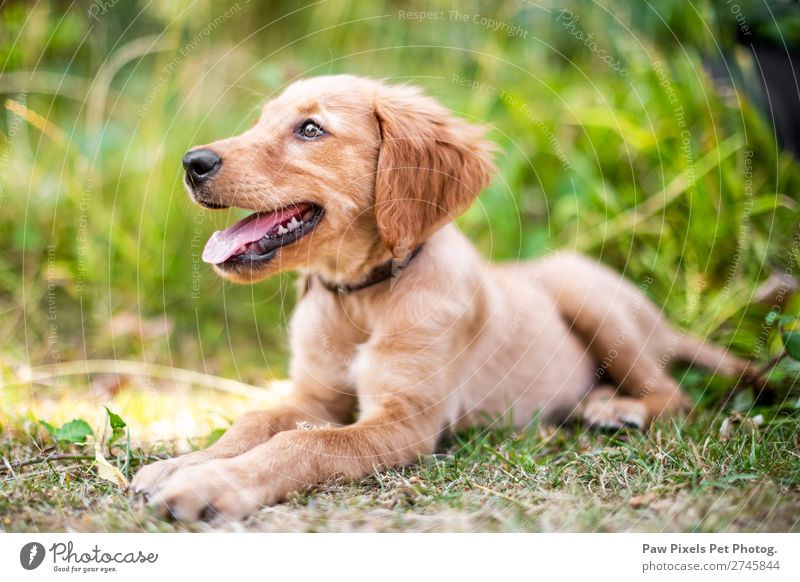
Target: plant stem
point(58, 457)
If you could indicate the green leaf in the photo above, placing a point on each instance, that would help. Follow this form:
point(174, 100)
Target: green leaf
point(74, 431)
point(772, 317)
point(50, 428)
point(791, 341)
point(117, 426)
point(115, 419)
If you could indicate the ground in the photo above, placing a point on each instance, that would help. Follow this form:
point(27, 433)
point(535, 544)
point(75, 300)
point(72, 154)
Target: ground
point(709, 472)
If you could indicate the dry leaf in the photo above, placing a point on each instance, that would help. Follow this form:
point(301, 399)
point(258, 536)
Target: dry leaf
point(106, 470)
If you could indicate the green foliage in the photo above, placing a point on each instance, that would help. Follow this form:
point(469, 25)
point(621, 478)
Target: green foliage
point(73, 432)
point(117, 426)
point(655, 172)
point(788, 330)
point(214, 436)
point(791, 343)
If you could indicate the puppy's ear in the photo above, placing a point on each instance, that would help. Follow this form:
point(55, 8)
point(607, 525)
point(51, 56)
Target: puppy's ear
point(431, 167)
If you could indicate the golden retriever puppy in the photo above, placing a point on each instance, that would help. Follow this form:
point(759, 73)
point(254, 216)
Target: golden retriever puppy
point(402, 331)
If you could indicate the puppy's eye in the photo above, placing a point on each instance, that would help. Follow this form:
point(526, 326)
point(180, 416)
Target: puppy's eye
point(310, 130)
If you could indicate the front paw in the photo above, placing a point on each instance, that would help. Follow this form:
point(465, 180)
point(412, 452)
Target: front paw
point(216, 489)
point(148, 478)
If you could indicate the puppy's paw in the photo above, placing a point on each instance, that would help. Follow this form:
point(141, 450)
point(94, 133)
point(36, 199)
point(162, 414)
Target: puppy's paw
point(610, 412)
point(218, 489)
point(148, 478)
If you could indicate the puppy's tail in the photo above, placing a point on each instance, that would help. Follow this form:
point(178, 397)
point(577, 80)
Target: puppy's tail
point(702, 353)
point(777, 290)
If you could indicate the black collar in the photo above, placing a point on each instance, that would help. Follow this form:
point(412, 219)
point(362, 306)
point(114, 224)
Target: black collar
point(388, 270)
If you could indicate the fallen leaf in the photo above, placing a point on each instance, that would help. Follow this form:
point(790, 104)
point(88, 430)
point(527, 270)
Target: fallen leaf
point(106, 470)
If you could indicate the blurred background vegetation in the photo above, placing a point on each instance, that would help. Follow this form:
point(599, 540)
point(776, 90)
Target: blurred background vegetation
point(614, 140)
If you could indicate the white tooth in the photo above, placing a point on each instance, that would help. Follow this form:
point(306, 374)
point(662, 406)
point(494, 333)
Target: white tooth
point(282, 230)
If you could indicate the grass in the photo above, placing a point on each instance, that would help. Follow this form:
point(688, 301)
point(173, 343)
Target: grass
point(658, 172)
point(678, 477)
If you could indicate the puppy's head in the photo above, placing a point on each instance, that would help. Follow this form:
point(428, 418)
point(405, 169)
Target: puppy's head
point(340, 173)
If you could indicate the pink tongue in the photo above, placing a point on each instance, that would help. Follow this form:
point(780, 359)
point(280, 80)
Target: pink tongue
point(223, 244)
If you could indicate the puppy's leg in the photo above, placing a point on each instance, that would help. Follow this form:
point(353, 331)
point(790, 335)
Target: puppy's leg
point(402, 387)
point(646, 390)
point(604, 407)
point(630, 340)
point(249, 430)
point(321, 396)
point(610, 407)
point(398, 433)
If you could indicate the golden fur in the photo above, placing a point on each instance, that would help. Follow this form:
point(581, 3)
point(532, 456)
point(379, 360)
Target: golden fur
point(382, 372)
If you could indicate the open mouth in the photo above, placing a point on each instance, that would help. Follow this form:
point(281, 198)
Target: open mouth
point(257, 238)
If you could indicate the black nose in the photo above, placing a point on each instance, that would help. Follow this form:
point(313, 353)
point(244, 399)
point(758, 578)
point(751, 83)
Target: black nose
point(200, 165)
